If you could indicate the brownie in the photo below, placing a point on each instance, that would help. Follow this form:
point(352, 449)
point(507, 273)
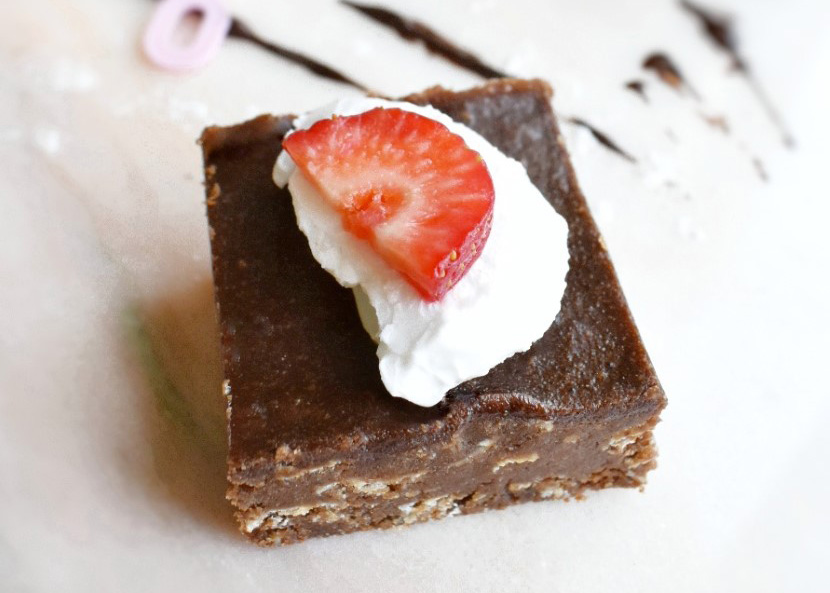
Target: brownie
point(317, 445)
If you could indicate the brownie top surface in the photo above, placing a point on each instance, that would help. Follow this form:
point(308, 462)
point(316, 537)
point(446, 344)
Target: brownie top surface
point(302, 371)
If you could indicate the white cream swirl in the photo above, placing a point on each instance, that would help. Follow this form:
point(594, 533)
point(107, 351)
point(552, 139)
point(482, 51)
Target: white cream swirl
point(505, 302)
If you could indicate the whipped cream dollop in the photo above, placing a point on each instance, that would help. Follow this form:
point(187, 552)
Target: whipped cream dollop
point(507, 300)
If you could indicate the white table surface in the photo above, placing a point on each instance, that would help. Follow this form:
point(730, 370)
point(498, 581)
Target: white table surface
point(111, 418)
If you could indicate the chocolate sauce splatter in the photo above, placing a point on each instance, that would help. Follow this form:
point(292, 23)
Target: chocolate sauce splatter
point(602, 138)
point(415, 30)
point(716, 121)
point(240, 30)
point(638, 87)
point(720, 31)
point(668, 72)
point(760, 169)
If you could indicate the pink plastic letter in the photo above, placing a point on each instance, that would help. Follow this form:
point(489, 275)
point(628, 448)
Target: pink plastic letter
point(160, 46)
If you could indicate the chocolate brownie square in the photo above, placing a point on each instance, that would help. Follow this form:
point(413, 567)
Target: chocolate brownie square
point(317, 445)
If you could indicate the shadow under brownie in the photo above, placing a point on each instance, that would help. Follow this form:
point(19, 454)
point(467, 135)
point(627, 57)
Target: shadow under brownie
point(317, 445)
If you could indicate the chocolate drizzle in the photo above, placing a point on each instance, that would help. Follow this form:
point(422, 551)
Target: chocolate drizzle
point(668, 72)
point(719, 30)
point(602, 138)
point(414, 30)
point(638, 87)
point(717, 122)
point(240, 30)
point(760, 169)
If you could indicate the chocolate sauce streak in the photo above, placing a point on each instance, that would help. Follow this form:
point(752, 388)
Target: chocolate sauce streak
point(602, 138)
point(638, 87)
point(719, 30)
point(668, 72)
point(240, 30)
point(718, 122)
point(760, 169)
point(415, 30)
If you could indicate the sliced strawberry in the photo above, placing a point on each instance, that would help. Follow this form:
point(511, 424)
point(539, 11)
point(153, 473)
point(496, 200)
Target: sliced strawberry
point(407, 185)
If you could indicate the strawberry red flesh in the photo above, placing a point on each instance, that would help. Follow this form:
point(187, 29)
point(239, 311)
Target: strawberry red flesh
point(407, 185)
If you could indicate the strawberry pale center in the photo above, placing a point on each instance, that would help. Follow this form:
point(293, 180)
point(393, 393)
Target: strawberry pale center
point(370, 208)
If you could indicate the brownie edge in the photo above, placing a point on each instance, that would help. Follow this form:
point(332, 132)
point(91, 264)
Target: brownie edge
point(317, 446)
